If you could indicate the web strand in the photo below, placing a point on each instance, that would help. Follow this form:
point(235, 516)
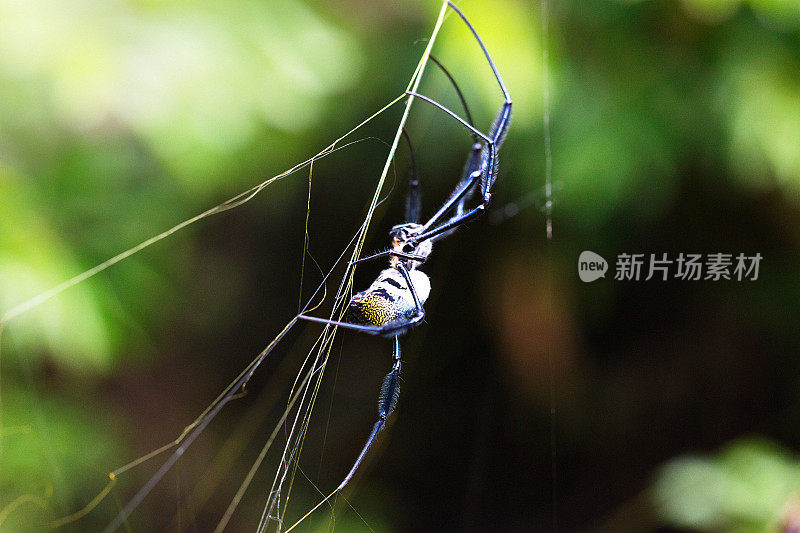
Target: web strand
point(548, 210)
point(344, 288)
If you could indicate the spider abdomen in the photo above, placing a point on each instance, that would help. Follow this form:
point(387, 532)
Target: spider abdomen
point(389, 299)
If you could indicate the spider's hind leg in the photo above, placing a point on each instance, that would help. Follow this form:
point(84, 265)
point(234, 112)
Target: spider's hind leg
point(390, 391)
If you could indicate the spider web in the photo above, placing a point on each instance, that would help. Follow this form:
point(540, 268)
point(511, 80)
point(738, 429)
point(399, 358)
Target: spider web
point(297, 415)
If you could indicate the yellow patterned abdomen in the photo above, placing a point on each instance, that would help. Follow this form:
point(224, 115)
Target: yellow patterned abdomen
point(373, 309)
point(389, 299)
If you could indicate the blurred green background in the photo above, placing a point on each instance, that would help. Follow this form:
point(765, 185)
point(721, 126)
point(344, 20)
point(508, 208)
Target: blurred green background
point(529, 398)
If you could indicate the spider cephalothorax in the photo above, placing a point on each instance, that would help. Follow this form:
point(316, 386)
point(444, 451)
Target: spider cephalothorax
point(404, 241)
point(393, 303)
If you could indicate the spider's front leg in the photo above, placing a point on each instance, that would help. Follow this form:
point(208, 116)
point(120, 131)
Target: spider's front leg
point(390, 392)
point(484, 173)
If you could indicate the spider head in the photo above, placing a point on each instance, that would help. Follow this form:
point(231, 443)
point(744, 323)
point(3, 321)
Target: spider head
point(402, 234)
point(403, 241)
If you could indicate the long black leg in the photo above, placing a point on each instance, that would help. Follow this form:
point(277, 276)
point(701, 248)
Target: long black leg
point(371, 330)
point(472, 166)
point(465, 186)
point(412, 257)
point(458, 91)
point(449, 226)
point(455, 117)
point(487, 171)
point(473, 161)
point(390, 391)
point(463, 189)
point(487, 180)
point(419, 311)
point(487, 174)
point(388, 329)
point(413, 201)
point(485, 52)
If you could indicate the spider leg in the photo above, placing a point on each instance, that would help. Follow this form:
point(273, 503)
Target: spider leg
point(486, 170)
point(396, 327)
point(455, 117)
point(412, 257)
point(388, 329)
point(370, 330)
point(485, 52)
point(451, 225)
point(471, 167)
point(413, 201)
point(487, 174)
point(391, 383)
point(456, 87)
point(420, 312)
point(390, 391)
point(413, 206)
point(465, 187)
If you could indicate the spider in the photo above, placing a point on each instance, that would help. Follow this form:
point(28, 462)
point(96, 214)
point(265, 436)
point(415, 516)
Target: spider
point(393, 304)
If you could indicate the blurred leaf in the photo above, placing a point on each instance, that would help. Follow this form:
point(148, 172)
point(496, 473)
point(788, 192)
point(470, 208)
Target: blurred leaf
point(52, 450)
point(32, 260)
point(748, 486)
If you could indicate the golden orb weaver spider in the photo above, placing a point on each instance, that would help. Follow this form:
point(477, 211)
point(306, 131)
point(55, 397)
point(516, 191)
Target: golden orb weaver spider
point(393, 304)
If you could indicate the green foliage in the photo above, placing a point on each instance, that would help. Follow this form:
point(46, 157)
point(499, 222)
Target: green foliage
point(751, 485)
point(32, 260)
